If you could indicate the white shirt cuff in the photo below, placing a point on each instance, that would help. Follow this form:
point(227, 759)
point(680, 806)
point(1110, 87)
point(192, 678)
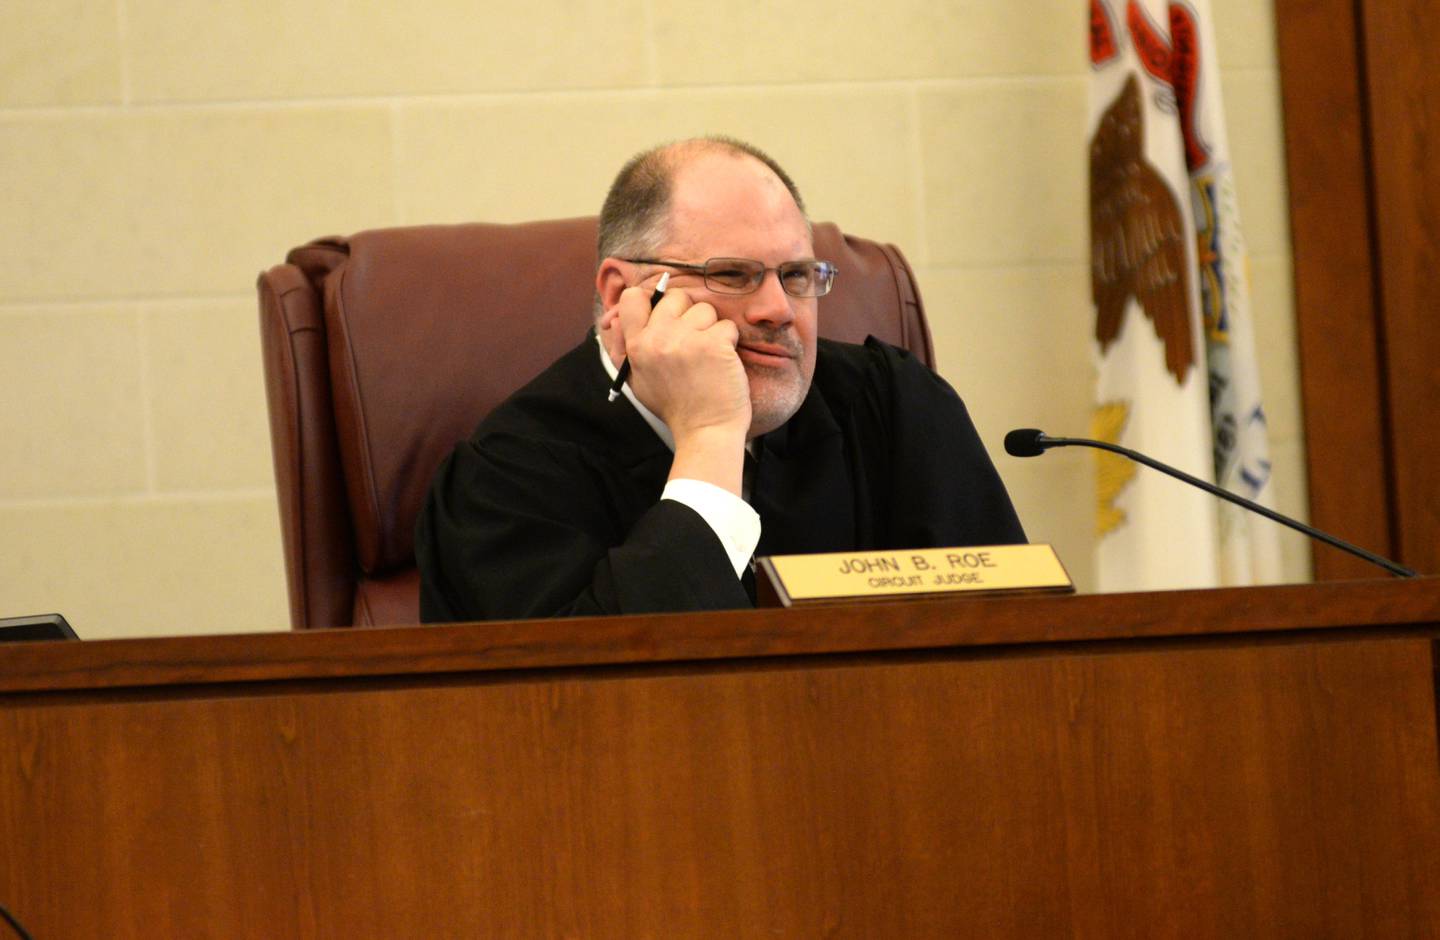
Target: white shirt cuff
point(731, 518)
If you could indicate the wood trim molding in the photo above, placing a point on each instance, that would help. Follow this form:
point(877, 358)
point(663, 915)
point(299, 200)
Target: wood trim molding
point(1336, 294)
point(1403, 93)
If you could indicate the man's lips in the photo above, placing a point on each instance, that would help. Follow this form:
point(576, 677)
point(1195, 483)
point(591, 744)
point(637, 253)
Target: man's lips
point(759, 353)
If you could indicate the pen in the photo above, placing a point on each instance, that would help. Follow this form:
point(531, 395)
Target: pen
point(624, 372)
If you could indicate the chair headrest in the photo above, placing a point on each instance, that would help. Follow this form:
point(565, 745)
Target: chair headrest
point(431, 327)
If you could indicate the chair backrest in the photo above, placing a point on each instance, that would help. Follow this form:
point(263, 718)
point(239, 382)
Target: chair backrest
point(384, 349)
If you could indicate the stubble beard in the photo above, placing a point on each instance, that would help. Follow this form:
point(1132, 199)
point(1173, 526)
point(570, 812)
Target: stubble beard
point(775, 395)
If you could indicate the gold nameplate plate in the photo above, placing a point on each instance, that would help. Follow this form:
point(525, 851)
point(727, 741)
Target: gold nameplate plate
point(860, 576)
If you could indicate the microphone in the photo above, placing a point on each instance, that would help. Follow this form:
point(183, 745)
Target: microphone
point(1031, 442)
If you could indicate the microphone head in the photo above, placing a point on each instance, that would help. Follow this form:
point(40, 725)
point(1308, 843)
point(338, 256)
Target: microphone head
point(1024, 442)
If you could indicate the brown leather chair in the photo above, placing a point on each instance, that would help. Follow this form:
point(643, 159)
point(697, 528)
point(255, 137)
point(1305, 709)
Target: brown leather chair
point(383, 349)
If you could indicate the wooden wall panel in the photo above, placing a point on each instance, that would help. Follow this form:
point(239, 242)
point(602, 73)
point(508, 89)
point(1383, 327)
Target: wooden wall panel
point(1362, 115)
point(1231, 789)
point(1337, 325)
point(1213, 763)
point(1402, 41)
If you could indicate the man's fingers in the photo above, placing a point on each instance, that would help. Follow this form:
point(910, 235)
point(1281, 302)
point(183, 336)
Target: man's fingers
point(727, 329)
point(612, 335)
point(699, 316)
point(673, 303)
point(634, 311)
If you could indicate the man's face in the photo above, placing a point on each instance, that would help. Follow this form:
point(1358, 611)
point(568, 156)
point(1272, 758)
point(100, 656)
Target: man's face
point(724, 206)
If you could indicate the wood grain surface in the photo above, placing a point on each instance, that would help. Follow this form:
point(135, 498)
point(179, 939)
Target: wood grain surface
point(1362, 137)
point(1179, 772)
point(918, 625)
point(1401, 39)
point(1338, 312)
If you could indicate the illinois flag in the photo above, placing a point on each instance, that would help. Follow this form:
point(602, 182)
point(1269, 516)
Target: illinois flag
point(1176, 375)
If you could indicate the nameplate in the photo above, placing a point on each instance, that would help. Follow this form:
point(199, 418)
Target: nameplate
point(859, 576)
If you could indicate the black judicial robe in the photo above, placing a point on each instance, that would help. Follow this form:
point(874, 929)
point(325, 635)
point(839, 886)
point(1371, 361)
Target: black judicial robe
point(552, 507)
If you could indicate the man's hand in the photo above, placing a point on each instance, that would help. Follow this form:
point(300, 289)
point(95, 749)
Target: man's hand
point(683, 362)
point(684, 368)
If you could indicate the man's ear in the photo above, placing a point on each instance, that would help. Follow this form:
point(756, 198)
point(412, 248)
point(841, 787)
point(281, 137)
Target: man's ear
point(610, 280)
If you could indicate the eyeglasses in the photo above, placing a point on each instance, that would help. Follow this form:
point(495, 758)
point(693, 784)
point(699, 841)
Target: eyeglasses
point(743, 276)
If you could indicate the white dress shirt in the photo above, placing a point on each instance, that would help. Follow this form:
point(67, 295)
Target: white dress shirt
point(731, 518)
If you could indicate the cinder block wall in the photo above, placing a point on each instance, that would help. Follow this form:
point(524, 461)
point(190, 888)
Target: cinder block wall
point(157, 155)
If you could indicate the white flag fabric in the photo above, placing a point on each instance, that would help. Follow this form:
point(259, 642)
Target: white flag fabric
point(1249, 545)
point(1176, 370)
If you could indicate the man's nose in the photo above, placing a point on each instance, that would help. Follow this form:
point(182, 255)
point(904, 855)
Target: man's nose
point(770, 303)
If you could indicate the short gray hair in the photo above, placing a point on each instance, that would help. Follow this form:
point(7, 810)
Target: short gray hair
point(634, 217)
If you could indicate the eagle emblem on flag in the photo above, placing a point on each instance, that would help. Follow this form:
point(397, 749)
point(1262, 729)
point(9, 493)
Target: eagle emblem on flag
point(1137, 236)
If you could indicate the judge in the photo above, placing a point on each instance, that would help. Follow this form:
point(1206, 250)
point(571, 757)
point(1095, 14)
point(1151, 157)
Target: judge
point(740, 431)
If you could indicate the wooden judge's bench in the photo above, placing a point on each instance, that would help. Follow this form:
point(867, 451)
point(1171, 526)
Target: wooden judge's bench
point(1229, 763)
